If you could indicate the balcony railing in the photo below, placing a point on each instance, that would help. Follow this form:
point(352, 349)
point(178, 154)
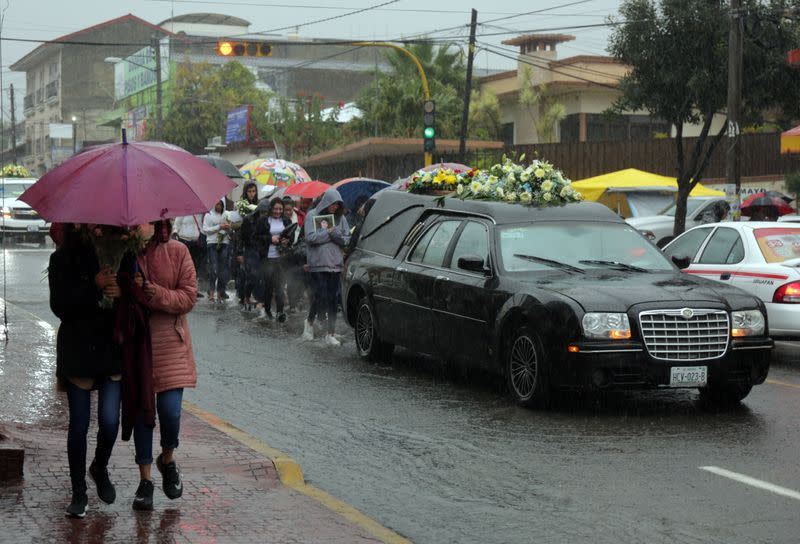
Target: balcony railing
point(28, 102)
point(51, 90)
point(39, 96)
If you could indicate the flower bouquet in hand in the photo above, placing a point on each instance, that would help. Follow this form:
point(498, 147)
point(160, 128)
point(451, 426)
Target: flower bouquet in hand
point(110, 245)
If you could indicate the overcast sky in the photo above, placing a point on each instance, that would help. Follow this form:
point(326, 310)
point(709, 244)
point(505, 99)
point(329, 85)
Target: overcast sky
point(48, 19)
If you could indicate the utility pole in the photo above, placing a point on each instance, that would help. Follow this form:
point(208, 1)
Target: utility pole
point(732, 158)
point(156, 44)
point(462, 145)
point(13, 122)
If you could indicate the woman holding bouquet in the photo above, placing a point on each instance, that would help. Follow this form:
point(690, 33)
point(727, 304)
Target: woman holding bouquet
point(86, 359)
point(168, 280)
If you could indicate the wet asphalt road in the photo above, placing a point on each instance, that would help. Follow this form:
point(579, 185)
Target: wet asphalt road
point(443, 458)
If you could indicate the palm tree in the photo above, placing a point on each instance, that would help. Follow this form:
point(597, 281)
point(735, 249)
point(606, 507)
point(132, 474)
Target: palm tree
point(543, 108)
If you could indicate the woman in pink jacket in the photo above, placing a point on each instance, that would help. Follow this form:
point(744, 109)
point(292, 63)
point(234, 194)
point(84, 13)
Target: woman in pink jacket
point(169, 281)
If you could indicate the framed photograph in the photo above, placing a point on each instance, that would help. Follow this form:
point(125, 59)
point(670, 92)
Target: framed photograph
point(324, 222)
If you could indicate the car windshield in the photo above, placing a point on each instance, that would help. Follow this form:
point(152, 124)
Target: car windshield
point(577, 244)
point(12, 190)
point(691, 205)
point(779, 244)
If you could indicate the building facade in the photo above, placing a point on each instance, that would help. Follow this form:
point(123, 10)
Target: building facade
point(68, 82)
point(584, 85)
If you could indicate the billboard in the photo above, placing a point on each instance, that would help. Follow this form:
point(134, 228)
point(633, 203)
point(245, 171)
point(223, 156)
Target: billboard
point(138, 71)
point(60, 131)
point(238, 127)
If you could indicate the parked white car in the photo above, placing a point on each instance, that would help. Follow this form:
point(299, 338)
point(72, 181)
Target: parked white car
point(18, 221)
point(699, 210)
point(762, 258)
point(789, 219)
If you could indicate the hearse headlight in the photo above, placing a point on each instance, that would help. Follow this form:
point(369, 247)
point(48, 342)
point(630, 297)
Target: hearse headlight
point(606, 325)
point(747, 323)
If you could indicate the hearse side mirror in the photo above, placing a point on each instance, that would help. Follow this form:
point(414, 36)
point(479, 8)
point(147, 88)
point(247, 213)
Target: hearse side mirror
point(681, 262)
point(472, 263)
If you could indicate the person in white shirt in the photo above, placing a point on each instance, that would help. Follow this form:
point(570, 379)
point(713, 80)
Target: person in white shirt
point(217, 228)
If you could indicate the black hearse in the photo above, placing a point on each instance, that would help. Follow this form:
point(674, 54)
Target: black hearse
point(552, 297)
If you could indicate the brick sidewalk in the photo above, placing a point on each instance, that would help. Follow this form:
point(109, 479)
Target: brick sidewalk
point(231, 492)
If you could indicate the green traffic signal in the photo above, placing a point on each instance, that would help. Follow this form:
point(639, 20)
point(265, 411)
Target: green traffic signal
point(429, 132)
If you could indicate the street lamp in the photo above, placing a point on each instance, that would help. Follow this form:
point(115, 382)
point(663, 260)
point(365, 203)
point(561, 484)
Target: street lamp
point(74, 134)
point(156, 45)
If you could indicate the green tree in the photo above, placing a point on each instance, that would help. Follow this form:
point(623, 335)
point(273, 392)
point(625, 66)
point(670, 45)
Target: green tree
point(484, 115)
point(678, 54)
point(543, 108)
point(300, 126)
point(203, 94)
point(392, 105)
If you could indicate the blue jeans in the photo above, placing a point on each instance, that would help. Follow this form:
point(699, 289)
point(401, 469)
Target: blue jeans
point(326, 287)
point(168, 406)
point(218, 267)
point(108, 403)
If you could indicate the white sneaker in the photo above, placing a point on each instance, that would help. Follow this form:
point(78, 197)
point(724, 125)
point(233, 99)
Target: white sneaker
point(262, 313)
point(330, 340)
point(308, 331)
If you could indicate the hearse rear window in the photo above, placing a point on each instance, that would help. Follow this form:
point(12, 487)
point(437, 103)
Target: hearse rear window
point(385, 227)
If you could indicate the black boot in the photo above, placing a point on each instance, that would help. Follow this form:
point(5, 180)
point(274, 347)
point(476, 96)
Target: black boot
point(105, 489)
point(77, 508)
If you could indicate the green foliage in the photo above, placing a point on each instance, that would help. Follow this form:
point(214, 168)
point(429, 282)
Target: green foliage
point(300, 127)
point(793, 183)
point(392, 105)
point(678, 54)
point(203, 95)
point(544, 109)
point(484, 116)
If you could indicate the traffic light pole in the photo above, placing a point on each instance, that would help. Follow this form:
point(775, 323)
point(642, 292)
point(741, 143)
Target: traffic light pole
point(732, 156)
point(425, 89)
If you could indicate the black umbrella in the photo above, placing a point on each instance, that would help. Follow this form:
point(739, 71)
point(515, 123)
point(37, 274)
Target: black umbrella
point(223, 165)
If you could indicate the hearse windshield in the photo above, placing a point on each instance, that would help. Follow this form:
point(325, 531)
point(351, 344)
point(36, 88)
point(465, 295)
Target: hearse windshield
point(577, 244)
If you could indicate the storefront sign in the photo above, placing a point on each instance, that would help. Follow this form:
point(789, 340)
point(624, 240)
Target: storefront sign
point(138, 71)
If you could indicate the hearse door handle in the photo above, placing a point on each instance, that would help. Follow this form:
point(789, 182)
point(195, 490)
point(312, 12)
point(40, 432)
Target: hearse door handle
point(725, 276)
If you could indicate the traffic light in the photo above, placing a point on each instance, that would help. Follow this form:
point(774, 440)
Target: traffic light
point(429, 126)
point(243, 49)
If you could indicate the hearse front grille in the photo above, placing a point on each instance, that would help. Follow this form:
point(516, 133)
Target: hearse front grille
point(685, 334)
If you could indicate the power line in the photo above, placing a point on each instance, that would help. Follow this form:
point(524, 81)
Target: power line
point(535, 11)
point(356, 12)
point(328, 7)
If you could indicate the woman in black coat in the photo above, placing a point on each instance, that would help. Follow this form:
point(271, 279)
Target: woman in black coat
point(86, 359)
point(271, 242)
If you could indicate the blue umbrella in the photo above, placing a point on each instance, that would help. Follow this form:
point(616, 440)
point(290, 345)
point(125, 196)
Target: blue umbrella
point(356, 191)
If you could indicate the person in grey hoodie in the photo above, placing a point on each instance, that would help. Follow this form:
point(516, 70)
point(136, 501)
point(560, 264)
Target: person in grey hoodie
point(325, 260)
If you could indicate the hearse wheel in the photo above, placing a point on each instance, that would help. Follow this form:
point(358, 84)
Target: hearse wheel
point(526, 369)
point(728, 395)
point(369, 346)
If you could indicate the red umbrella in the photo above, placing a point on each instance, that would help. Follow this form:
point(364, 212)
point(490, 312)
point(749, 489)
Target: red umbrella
point(307, 189)
point(127, 184)
point(769, 199)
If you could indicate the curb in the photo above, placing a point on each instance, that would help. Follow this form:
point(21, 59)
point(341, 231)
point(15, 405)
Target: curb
point(291, 475)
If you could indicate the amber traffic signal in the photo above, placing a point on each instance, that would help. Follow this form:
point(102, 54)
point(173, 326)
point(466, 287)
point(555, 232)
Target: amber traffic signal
point(229, 48)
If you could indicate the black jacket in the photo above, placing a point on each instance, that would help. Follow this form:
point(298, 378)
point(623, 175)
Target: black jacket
point(246, 241)
point(85, 346)
point(262, 237)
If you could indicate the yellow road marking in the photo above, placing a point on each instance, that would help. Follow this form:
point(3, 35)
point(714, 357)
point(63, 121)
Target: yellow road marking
point(291, 475)
point(787, 384)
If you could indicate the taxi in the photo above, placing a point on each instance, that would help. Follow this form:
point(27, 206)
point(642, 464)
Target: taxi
point(762, 258)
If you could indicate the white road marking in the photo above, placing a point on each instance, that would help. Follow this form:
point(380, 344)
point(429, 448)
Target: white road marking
point(761, 484)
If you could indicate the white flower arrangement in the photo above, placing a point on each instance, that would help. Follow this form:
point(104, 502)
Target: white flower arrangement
point(538, 184)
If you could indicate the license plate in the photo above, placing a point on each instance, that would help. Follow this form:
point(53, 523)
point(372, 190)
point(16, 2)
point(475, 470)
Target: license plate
point(688, 376)
point(33, 228)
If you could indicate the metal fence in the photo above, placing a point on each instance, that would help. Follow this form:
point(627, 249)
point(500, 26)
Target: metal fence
point(760, 154)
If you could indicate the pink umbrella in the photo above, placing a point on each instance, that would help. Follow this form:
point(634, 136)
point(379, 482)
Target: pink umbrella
point(307, 189)
point(127, 184)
